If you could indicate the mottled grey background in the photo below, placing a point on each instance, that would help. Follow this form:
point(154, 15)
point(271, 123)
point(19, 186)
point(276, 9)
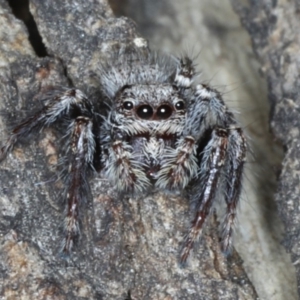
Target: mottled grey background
point(129, 247)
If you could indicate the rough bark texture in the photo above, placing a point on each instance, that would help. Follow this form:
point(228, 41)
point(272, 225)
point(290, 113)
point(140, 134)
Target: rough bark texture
point(274, 29)
point(227, 61)
point(129, 247)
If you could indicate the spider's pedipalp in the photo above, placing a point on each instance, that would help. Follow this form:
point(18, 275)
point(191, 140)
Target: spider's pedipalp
point(124, 170)
point(180, 166)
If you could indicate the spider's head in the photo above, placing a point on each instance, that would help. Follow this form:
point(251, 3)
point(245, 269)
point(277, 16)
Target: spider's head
point(145, 107)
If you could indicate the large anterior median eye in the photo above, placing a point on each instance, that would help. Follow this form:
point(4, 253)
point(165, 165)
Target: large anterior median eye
point(164, 112)
point(179, 105)
point(128, 105)
point(145, 112)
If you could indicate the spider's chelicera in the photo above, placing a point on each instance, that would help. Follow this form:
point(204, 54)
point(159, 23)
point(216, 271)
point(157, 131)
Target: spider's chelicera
point(159, 131)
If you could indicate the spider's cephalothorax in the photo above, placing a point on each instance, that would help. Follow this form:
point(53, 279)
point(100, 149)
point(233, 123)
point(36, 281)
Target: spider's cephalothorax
point(160, 131)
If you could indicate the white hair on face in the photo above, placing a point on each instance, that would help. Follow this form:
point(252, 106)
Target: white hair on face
point(147, 69)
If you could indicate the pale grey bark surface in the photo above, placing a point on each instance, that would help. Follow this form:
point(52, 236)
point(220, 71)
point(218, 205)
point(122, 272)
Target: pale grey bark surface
point(129, 247)
point(274, 30)
point(229, 63)
point(133, 244)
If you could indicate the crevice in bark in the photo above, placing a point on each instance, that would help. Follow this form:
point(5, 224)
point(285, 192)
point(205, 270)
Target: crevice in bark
point(20, 9)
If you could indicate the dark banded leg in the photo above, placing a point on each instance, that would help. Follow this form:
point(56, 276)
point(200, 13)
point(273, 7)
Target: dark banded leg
point(234, 171)
point(81, 153)
point(212, 162)
point(185, 72)
point(58, 103)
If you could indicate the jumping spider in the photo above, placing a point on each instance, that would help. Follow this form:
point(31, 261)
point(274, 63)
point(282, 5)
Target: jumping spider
point(159, 131)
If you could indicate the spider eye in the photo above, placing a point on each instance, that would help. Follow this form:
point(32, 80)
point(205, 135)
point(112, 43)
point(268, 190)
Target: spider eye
point(128, 105)
point(164, 112)
point(145, 112)
point(179, 105)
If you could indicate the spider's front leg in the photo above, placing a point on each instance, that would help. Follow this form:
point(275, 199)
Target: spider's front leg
point(221, 162)
point(81, 151)
point(212, 162)
point(233, 172)
point(58, 104)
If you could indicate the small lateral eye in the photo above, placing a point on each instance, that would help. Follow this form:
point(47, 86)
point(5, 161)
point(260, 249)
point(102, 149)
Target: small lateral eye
point(128, 105)
point(179, 105)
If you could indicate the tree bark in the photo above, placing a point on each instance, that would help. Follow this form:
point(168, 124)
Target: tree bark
point(129, 247)
point(274, 30)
